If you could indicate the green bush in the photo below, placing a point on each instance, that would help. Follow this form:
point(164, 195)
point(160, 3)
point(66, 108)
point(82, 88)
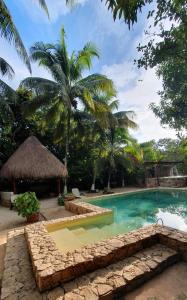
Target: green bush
point(61, 200)
point(27, 204)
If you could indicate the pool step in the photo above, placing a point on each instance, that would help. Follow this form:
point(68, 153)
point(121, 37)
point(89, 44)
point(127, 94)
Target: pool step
point(114, 229)
point(91, 236)
point(118, 279)
point(75, 238)
point(66, 240)
point(78, 231)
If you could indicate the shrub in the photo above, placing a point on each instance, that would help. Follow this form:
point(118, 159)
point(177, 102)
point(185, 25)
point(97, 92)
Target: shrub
point(61, 200)
point(27, 204)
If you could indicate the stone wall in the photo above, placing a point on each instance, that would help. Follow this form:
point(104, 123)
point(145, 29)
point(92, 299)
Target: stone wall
point(167, 182)
point(173, 181)
point(52, 267)
point(111, 282)
point(151, 182)
point(6, 198)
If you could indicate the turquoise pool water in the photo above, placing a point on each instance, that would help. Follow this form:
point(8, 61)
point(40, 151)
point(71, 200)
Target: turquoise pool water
point(135, 210)
point(130, 211)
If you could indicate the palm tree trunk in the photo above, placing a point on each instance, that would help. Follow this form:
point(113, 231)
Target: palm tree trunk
point(123, 182)
point(94, 177)
point(67, 149)
point(109, 177)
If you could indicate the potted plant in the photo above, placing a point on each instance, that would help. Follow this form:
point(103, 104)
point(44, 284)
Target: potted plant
point(28, 206)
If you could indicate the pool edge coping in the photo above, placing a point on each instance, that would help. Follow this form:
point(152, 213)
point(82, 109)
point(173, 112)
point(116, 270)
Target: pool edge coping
point(87, 199)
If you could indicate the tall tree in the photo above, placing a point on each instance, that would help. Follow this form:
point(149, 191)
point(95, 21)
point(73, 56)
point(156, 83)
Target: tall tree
point(116, 138)
point(68, 88)
point(166, 50)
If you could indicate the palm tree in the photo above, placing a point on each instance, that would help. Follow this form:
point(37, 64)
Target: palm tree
point(9, 31)
point(108, 142)
point(68, 88)
point(116, 138)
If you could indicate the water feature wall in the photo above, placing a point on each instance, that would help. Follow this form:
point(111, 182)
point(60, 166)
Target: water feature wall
point(170, 181)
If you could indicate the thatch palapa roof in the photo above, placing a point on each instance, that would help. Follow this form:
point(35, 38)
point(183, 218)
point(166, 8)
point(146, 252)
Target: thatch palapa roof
point(32, 160)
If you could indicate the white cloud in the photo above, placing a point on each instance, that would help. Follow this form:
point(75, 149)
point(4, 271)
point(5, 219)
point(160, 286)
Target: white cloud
point(57, 8)
point(21, 72)
point(122, 74)
point(138, 97)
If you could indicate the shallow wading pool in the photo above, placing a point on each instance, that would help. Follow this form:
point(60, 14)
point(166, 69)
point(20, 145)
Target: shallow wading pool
point(130, 211)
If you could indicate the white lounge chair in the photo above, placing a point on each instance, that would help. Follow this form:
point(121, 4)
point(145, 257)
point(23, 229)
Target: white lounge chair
point(76, 193)
point(12, 200)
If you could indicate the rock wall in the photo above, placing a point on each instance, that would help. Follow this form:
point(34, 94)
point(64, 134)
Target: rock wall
point(167, 182)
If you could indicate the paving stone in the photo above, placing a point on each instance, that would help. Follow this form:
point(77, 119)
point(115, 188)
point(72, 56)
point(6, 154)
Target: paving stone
point(103, 289)
point(56, 294)
point(73, 296)
point(18, 281)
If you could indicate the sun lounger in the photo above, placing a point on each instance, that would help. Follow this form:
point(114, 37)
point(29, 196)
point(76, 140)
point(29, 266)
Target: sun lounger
point(76, 193)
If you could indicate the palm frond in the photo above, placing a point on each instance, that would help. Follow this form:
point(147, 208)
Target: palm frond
point(61, 53)
point(53, 114)
point(125, 119)
point(40, 85)
point(5, 68)
point(71, 3)
point(113, 104)
point(39, 102)
point(44, 6)
point(42, 53)
point(6, 113)
point(7, 92)
point(59, 131)
point(10, 33)
point(85, 56)
point(97, 82)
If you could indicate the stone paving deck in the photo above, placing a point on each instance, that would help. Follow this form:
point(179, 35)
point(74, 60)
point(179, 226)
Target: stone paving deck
point(51, 266)
point(168, 285)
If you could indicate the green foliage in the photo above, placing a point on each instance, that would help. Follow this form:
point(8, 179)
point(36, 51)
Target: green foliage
point(150, 153)
point(58, 98)
point(61, 200)
point(5, 68)
point(9, 31)
point(167, 51)
point(27, 204)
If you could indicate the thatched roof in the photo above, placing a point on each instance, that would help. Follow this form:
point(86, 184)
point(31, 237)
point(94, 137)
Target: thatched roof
point(32, 160)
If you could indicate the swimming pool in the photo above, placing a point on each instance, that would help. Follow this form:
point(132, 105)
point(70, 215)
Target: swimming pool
point(139, 209)
point(130, 211)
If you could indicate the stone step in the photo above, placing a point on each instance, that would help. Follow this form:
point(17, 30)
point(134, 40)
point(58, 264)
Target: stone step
point(108, 282)
point(78, 231)
point(91, 236)
point(66, 240)
point(119, 278)
point(114, 229)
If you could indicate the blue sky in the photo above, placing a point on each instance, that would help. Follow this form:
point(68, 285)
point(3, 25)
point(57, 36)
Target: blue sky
point(91, 21)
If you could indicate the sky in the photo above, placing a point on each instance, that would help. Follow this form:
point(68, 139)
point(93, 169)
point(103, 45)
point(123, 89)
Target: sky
point(91, 21)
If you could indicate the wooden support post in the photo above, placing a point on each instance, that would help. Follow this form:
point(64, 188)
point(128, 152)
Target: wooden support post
point(58, 186)
point(14, 186)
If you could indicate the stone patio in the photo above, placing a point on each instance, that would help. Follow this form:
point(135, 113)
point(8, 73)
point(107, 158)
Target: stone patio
point(169, 285)
point(105, 270)
point(111, 282)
